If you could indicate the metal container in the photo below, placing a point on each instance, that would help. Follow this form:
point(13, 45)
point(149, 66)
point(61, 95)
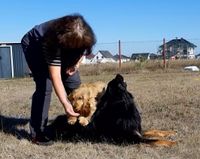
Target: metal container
point(12, 61)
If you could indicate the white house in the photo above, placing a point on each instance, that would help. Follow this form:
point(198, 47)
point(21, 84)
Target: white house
point(179, 48)
point(103, 56)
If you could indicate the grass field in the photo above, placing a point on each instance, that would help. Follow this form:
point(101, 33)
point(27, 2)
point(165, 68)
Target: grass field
point(167, 100)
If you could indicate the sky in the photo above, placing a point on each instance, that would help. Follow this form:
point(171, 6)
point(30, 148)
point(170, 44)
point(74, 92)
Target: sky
point(140, 25)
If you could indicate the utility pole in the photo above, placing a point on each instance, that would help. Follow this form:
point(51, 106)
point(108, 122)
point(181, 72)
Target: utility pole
point(164, 53)
point(119, 44)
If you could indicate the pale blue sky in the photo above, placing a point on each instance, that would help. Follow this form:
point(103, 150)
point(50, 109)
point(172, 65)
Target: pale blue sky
point(140, 24)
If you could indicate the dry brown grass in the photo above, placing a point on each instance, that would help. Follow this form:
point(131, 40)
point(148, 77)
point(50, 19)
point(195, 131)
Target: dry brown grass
point(168, 100)
point(138, 67)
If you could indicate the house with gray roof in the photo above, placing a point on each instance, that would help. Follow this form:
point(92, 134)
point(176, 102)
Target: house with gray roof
point(123, 58)
point(179, 48)
point(198, 56)
point(143, 56)
point(103, 56)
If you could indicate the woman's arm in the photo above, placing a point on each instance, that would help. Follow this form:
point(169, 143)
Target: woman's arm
point(55, 74)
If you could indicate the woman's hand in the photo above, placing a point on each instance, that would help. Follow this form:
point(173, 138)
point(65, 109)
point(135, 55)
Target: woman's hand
point(60, 90)
point(69, 110)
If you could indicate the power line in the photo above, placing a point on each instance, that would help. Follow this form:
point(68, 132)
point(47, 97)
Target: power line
point(141, 41)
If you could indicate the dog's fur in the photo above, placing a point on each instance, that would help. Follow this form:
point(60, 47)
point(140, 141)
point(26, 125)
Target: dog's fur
point(117, 116)
point(116, 119)
point(84, 100)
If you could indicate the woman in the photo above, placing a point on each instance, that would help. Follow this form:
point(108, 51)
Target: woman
point(53, 51)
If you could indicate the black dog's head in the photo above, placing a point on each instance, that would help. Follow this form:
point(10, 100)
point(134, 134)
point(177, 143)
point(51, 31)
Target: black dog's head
point(116, 115)
point(117, 86)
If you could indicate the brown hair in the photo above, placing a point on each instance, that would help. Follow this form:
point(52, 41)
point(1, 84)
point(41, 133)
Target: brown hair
point(71, 32)
point(72, 35)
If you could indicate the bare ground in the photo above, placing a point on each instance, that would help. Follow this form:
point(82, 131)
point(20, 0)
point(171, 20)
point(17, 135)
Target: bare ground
point(167, 101)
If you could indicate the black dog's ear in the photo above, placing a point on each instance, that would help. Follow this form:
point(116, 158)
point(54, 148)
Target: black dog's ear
point(117, 85)
point(119, 78)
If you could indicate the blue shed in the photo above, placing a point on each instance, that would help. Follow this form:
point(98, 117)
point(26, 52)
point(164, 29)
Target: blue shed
point(12, 61)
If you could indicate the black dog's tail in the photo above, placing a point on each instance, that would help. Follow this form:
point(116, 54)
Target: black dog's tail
point(158, 142)
point(154, 142)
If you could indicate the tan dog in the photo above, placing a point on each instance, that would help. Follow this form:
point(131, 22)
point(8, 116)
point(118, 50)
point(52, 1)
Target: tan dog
point(84, 100)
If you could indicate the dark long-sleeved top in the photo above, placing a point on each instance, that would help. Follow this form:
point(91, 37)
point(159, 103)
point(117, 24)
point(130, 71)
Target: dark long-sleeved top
point(35, 36)
point(43, 39)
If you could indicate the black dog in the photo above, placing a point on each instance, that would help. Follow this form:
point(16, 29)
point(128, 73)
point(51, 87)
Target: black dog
point(116, 118)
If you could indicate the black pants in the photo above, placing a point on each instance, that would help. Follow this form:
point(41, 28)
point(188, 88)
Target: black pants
point(42, 95)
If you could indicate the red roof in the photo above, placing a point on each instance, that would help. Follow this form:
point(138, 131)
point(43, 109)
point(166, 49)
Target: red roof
point(90, 56)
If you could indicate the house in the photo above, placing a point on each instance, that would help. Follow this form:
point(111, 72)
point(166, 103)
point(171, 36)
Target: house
point(143, 56)
point(179, 48)
point(123, 58)
point(198, 56)
point(103, 56)
point(87, 59)
point(12, 61)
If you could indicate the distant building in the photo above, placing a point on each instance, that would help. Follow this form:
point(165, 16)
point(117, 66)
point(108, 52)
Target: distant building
point(123, 58)
point(198, 56)
point(179, 48)
point(143, 56)
point(103, 56)
point(87, 59)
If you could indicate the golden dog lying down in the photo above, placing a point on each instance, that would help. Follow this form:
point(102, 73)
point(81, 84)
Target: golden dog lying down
point(84, 100)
